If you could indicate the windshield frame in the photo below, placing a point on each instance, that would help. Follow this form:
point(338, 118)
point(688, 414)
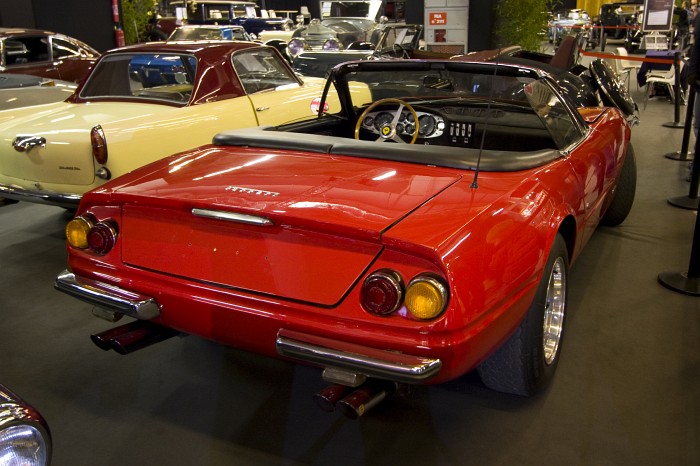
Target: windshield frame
point(339, 81)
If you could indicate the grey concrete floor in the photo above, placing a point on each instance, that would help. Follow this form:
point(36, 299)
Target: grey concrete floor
point(627, 391)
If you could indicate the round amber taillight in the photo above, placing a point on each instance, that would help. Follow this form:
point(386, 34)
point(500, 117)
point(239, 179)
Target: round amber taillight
point(382, 292)
point(102, 237)
point(426, 297)
point(99, 144)
point(77, 231)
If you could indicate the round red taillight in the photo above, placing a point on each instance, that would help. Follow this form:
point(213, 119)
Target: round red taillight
point(382, 292)
point(99, 144)
point(102, 237)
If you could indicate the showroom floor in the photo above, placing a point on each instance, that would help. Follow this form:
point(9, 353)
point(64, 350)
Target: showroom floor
point(627, 391)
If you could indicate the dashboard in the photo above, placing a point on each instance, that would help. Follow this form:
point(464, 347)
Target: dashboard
point(461, 126)
point(429, 125)
point(433, 128)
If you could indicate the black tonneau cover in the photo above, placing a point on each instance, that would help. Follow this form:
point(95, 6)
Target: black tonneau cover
point(441, 156)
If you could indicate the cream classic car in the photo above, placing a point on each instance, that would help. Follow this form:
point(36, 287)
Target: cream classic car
point(142, 103)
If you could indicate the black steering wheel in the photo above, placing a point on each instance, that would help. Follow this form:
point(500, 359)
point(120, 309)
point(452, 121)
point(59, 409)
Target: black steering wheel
point(388, 131)
point(403, 53)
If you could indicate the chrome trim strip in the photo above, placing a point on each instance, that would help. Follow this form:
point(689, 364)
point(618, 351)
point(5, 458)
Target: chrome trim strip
point(70, 201)
point(232, 217)
point(384, 367)
point(107, 296)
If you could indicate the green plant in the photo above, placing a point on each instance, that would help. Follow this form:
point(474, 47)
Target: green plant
point(522, 22)
point(136, 16)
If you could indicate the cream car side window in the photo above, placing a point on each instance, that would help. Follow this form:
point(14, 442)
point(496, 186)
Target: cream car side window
point(262, 70)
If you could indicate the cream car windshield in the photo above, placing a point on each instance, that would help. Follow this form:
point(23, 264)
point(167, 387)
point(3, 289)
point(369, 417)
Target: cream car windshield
point(161, 77)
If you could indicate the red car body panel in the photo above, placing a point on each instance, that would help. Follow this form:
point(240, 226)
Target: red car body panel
point(334, 220)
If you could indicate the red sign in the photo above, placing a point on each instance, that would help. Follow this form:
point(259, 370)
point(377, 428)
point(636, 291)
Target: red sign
point(438, 18)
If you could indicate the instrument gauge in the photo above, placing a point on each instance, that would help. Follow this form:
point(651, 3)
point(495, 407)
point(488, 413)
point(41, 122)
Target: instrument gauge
point(368, 122)
point(426, 125)
point(383, 119)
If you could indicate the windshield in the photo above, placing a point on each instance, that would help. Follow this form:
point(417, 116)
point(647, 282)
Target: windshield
point(456, 102)
point(161, 77)
point(442, 84)
point(406, 37)
point(352, 8)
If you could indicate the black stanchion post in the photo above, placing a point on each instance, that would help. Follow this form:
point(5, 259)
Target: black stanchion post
point(686, 282)
point(676, 123)
point(683, 154)
point(690, 201)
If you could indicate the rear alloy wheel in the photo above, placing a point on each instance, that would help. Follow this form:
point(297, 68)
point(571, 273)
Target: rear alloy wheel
point(527, 360)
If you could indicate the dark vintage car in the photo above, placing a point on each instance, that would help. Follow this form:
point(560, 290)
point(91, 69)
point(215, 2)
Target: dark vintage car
point(342, 24)
point(424, 229)
point(218, 12)
point(573, 22)
point(616, 18)
point(44, 53)
point(25, 438)
point(395, 40)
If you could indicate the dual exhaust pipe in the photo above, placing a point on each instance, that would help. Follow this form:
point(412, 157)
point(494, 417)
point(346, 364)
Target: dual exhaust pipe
point(131, 337)
point(354, 402)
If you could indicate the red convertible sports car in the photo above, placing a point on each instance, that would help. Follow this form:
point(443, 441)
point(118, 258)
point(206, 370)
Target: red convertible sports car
point(415, 235)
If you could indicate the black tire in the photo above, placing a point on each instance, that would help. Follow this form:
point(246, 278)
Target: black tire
point(526, 362)
point(5, 201)
point(156, 35)
point(624, 192)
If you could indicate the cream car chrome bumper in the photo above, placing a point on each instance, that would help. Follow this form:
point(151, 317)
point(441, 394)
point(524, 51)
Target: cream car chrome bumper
point(69, 201)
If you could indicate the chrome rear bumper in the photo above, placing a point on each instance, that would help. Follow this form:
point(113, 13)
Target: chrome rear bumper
point(107, 296)
point(321, 351)
point(68, 201)
point(372, 362)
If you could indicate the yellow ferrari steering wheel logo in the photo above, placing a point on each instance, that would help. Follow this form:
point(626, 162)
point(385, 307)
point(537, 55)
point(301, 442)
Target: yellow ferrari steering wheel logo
point(386, 130)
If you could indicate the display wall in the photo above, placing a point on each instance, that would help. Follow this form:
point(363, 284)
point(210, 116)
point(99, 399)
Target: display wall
point(89, 21)
point(92, 23)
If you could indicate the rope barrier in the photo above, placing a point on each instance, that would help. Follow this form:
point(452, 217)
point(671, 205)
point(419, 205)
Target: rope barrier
point(612, 56)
